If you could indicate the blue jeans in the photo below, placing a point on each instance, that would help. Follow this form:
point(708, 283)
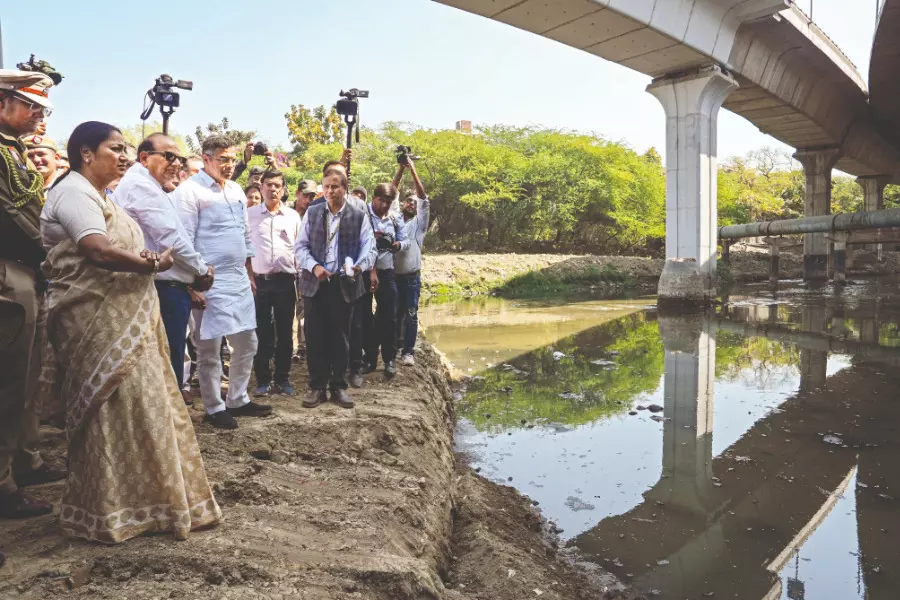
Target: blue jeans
point(175, 310)
point(408, 288)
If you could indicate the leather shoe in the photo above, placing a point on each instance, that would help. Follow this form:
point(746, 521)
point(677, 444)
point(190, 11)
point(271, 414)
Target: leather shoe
point(356, 379)
point(44, 474)
point(341, 398)
point(251, 409)
point(390, 369)
point(221, 420)
point(315, 398)
point(20, 505)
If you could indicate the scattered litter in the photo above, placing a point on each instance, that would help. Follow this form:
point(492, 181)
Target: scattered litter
point(640, 520)
point(833, 439)
point(577, 504)
point(510, 573)
point(538, 592)
point(743, 459)
point(603, 363)
point(662, 562)
point(571, 396)
point(885, 497)
point(558, 355)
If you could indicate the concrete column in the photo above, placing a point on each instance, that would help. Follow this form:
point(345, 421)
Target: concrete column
point(840, 256)
point(691, 103)
point(873, 199)
point(690, 370)
point(817, 165)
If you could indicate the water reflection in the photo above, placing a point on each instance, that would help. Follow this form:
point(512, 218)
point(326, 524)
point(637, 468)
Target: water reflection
point(771, 471)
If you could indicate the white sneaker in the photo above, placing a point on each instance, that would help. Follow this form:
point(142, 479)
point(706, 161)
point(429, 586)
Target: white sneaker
point(407, 360)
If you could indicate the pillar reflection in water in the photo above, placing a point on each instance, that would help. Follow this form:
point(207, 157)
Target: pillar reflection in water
point(813, 363)
point(690, 354)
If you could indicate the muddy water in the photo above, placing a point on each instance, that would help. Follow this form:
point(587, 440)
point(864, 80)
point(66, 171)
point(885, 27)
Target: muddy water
point(751, 452)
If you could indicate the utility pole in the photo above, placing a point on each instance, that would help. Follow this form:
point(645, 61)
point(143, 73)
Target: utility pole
point(1, 44)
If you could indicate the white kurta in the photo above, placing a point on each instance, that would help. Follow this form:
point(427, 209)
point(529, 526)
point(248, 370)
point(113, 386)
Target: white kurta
point(216, 219)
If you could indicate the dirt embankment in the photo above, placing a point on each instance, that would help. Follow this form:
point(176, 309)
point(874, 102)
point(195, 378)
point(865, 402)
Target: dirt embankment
point(472, 274)
point(547, 274)
point(322, 503)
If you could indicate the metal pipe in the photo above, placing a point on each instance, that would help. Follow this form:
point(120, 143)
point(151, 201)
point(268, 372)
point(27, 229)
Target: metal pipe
point(875, 219)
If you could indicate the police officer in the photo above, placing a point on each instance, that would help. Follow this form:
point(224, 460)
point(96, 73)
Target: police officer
point(44, 155)
point(23, 105)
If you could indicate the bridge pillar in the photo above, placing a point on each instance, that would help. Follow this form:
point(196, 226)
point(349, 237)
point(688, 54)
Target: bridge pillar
point(817, 165)
point(873, 198)
point(691, 103)
point(690, 370)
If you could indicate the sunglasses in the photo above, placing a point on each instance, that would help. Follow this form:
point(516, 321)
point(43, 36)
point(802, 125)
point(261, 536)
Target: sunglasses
point(169, 156)
point(34, 107)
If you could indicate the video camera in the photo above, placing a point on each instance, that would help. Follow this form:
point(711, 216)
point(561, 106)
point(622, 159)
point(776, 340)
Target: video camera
point(41, 66)
point(404, 154)
point(163, 95)
point(162, 90)
point(348, 106)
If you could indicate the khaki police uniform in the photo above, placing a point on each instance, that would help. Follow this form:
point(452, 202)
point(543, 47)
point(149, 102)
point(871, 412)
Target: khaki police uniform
point(21, 255)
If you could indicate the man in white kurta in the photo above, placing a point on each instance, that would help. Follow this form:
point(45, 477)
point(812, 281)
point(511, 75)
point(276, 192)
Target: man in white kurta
point(214, 212)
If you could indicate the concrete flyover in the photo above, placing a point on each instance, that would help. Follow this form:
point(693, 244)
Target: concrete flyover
point(762, 59)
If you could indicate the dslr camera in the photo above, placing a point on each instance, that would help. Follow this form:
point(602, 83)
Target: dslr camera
point(259, 149)
point(384, 240)
point(404, 153)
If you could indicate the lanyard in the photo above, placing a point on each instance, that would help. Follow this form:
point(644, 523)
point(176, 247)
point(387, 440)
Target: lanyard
point(330, 237)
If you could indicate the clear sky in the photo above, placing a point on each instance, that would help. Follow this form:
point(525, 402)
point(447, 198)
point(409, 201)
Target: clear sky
point(424, 63)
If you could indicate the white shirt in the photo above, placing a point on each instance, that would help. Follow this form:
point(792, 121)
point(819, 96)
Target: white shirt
point(274, 236)
point(364, 261)
point(215, 218)
point(74, 209)
point(143, 198)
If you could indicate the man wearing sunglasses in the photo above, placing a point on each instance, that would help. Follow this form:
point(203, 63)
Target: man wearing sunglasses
point(143, 194)
point(23, 104)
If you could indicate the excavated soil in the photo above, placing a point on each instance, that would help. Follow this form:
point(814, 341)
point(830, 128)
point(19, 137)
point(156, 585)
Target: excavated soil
point(324, 503)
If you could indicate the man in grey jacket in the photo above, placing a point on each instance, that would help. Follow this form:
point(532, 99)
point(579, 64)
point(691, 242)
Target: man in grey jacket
point(408, 265)
point(334, 246)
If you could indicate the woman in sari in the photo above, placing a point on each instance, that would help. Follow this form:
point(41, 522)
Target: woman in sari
point(134, 462)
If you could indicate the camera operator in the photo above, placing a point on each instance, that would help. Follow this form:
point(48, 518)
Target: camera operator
point(390, 237)
point(274, 229)
point(250, 150)
point(333, 236)
point(44, 155)
point(408, 264)
point(143, 194)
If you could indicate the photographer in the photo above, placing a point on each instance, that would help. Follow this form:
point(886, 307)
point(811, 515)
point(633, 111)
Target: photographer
point(390, 237)
point(250, 150)
point(408, 264)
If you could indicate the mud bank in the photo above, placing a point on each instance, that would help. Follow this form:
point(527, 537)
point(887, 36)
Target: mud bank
point(323, 503)
point(533, 274)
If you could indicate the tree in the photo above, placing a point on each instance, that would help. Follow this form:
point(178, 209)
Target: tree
point(316, 126)
point(135, 134)
point(237, 137)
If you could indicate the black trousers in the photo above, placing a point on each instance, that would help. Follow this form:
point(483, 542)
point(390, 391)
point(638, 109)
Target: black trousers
point(356, 325)
point(380, 329)
point(327, 327)
point(175, 310)
point(276, 301)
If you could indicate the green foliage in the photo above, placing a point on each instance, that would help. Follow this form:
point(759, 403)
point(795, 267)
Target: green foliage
point(316, 126)
point(135, 134)
point(529, 388)
point(238, 137)
point(520, 188)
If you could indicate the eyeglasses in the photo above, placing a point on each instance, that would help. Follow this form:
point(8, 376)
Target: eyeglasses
point(226, 160)
point(169, 156)
point(34, 106)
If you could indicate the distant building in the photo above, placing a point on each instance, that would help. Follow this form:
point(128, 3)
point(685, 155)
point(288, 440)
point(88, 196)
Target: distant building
point(464, 126)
